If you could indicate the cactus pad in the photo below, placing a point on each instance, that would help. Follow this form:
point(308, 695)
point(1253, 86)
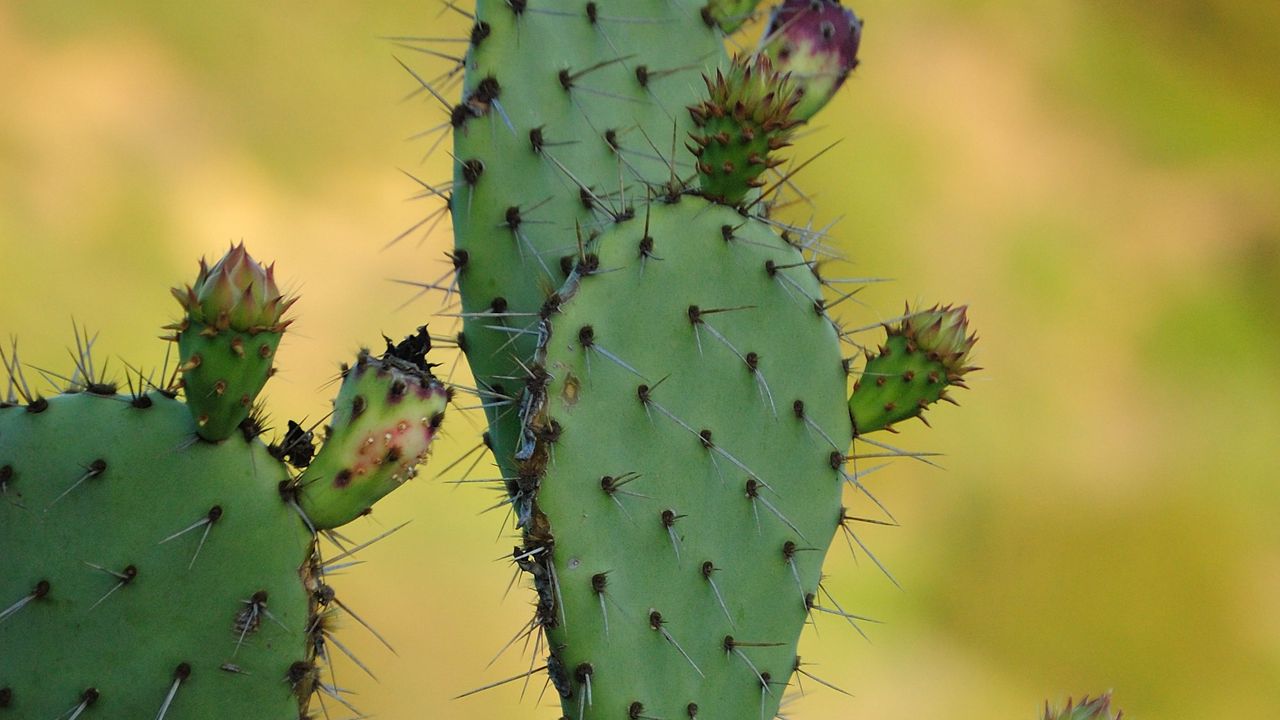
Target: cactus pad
point(180, 577)
point(746, 117)
point(680, 468)
point(568, 110)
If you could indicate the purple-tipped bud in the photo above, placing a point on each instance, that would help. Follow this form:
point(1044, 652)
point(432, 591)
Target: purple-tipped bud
point(816, 41)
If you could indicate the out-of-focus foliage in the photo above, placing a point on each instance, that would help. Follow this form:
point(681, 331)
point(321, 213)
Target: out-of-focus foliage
point(1098, 181)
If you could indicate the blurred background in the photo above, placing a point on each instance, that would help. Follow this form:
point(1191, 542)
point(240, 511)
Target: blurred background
point(1099, 181)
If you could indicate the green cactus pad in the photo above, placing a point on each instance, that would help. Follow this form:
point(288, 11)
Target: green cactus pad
point(384, 419)
point(681, 464)
point(921, 357)
point(569, 110)
point(145, 570)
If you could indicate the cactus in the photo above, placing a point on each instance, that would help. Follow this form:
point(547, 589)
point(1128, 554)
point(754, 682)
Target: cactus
point(152, 572)
point(669, 406)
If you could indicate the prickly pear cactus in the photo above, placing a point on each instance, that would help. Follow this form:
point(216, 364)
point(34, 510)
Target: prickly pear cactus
point(151, 572)
point(668, 400)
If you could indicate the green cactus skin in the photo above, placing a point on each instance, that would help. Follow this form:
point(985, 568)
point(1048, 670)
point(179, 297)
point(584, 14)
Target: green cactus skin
point(682, 465)
point(921, 358)
point(1098, 708)
point(100, 489)
point(569, 109)
point(385, 417)
point(222, 375)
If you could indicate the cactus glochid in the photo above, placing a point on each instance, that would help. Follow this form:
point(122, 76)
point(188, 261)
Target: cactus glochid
point(153, 570)
point(672, 415)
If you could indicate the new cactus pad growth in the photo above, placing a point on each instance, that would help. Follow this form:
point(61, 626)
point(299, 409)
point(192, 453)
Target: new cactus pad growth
point(232, 324)
point(745, 118)
point(923, 355)
point(153, 573)
point(729, 14)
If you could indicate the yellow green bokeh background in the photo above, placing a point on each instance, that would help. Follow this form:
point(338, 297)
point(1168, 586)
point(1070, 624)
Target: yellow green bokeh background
point(1099, 181)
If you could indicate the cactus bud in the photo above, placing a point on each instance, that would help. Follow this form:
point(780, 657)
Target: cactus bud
point(232, 324)
point(236, 294)
point(747, 114)
point(922, 356)
point(816, 41)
